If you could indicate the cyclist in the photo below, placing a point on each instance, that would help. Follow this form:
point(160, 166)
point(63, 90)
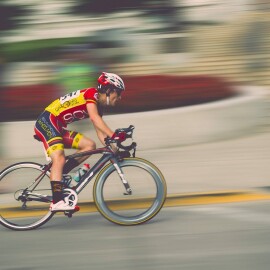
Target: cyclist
point(51, 129)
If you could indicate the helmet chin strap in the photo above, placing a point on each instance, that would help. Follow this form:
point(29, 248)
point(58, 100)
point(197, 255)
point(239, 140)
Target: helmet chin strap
point(108, 99)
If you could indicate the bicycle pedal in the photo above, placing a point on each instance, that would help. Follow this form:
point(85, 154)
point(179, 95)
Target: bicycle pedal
point(68, 214)
point(71, 212)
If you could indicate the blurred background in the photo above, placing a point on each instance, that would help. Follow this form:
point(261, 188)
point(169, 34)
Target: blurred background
point(197, 51)
point(198, 77)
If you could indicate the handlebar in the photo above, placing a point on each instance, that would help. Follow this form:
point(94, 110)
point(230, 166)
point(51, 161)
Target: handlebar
point(129, 133)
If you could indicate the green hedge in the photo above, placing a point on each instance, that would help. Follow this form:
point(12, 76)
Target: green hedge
point(41, 50)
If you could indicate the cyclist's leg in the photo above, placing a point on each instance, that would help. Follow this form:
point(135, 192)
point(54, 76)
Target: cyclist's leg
point(85, 144)
point(75, 140)
point(48, 129)
point(58, 162)
point(61, 201)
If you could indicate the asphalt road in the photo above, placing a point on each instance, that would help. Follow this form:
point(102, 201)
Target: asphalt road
point(217, 236)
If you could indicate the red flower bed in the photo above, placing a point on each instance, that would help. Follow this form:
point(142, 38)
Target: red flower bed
point(26, 102)
point(144, 93)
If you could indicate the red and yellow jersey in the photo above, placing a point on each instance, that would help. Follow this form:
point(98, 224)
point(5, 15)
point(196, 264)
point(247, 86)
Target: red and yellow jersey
point(72, 107)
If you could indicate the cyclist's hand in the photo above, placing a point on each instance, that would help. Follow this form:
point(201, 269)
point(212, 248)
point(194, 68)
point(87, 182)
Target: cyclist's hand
point(120, 136)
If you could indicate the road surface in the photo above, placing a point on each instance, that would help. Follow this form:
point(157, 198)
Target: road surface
point(217, 236)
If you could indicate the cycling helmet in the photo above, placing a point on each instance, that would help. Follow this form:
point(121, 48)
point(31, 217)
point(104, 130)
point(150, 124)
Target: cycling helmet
point(110, 81)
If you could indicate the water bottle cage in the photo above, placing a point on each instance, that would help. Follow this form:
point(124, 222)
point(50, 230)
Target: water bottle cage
point(80, 174)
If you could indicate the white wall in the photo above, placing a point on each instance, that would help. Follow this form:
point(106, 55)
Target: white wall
point(164, 128)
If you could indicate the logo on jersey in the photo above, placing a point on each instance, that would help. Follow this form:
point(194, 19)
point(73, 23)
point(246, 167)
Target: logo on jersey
point(75, 116)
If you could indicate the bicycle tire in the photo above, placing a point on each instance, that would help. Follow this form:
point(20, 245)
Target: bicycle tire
point(107, 208)
point(33, 214)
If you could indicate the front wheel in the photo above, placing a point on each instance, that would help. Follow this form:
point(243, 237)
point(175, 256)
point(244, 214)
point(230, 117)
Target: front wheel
point(148, 192)
point(25, 196)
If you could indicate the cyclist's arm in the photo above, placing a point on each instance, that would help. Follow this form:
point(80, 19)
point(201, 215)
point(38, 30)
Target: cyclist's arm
point(101, 136)
point(101, 127)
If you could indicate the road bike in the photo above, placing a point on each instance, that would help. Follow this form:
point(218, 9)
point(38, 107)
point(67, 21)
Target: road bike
point(127, 190)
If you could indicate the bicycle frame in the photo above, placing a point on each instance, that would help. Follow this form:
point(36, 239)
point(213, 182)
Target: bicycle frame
point(108, 155)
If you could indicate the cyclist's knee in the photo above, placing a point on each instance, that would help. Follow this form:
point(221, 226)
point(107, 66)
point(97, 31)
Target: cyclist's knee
point(87, 144)
point(58, 157)
point(91, 145)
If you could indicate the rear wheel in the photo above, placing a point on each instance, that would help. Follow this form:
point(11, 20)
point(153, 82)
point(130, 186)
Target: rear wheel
point(148, 192)
point(25, 196)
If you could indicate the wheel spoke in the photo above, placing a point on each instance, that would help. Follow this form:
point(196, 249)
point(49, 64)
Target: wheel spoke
point(148, 192)
point(25, 196)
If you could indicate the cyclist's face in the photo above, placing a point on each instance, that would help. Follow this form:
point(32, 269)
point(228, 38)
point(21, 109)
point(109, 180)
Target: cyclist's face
point(114, 98)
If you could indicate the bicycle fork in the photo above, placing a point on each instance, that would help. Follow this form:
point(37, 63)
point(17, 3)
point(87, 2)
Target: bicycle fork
point(122, 177)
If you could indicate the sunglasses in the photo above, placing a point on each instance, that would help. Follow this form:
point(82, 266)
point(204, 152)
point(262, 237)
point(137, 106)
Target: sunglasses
point(118, 92)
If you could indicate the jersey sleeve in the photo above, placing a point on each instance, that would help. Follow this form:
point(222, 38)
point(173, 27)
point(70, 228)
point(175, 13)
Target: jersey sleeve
point(91, 95)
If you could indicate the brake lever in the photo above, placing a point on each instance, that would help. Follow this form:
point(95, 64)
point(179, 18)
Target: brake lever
point(129, 133)
point(134, 152)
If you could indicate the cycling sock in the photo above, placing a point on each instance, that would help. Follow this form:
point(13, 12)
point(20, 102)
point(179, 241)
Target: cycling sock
point(57, 191)
point(70, 164)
